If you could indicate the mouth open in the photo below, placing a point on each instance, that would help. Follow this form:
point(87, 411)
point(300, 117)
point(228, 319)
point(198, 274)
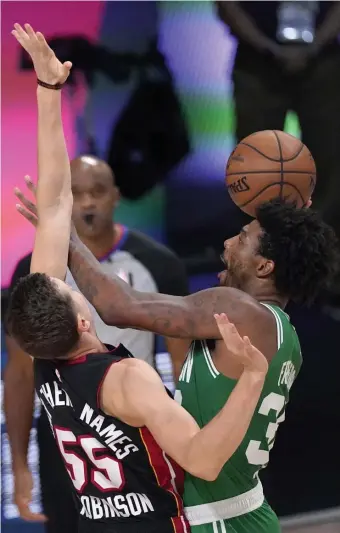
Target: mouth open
point(88, 219)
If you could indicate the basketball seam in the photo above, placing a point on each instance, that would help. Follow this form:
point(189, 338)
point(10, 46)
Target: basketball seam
point(272, 158)
point(297, 153)
point(267, 187)
point(281, 162)
point(259, 152)
point(311, 174)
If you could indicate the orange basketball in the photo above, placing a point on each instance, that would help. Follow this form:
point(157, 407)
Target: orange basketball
point(270, 164)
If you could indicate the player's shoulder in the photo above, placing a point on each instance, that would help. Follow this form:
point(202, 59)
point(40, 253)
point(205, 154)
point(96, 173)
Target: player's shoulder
point(125, 385)
point(223, 294)
point(250, 316)
point(128, 370)
point(242, 306)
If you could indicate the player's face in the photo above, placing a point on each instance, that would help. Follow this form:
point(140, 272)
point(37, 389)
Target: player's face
point(241, 258)
point(94, 199)
point(80, 304)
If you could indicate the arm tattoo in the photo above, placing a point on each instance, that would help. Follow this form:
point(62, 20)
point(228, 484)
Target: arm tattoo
point(118, 304)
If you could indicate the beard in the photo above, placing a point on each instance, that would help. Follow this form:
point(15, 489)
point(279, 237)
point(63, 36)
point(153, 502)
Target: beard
point(233, 275)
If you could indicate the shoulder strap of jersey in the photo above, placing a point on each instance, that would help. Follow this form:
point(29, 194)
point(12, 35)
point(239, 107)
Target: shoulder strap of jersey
point(279, 323)
point(84, 377)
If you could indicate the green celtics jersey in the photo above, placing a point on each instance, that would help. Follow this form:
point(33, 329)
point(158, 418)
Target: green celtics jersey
point(203, 391)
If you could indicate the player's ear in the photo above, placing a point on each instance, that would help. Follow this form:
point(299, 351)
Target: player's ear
point(265, 268)
point(83, 324)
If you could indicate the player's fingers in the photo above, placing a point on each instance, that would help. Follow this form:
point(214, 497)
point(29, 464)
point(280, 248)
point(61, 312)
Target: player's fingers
point(26, 214)
point(229, 333)
point(250, 349)
point(247, 342)
point(248, 346)
point(221, 318)
point(31, 33)
point(223, 325)
point(21, 36)
point(41, 38)
point(21, 32)
point(232, 339)
point(43, 43)
point(255, 357)
point(27, 203)
point(30, 185)
point(68, 65)
point(19, 39)
point(234, 334)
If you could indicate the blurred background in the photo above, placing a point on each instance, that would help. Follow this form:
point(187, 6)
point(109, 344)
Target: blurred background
point(153, 93)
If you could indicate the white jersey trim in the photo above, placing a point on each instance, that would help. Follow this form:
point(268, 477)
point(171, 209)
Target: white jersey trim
point(210, 363)
point(279, 325)
point(185, 374)
point(226, 509)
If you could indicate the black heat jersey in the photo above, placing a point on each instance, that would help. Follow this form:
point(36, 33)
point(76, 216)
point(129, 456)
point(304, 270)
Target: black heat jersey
point(124, 482)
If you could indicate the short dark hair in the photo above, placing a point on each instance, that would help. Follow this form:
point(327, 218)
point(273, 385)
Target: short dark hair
point(304, 249)
point(41, 318)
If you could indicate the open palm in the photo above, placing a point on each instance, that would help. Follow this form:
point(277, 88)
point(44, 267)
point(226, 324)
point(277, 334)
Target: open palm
point(47, 66)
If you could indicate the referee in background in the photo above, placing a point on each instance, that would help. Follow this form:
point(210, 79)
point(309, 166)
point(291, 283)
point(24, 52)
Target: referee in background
point(140, 261)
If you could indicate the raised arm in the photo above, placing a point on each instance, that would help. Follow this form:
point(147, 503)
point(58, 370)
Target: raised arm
point(133, 392)
point(189, 317)
point(54, 195)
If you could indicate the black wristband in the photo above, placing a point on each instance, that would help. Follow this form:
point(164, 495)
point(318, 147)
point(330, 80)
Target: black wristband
point(55, 87)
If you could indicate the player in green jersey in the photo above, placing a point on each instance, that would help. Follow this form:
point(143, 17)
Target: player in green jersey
point(286, 253)
point(235, 501)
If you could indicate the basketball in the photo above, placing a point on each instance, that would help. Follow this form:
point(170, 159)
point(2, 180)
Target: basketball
point(270, 164)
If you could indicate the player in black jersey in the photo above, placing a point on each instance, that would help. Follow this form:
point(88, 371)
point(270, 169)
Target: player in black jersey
point(120, 434)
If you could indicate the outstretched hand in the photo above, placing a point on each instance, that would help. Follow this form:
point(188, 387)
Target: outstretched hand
point(241, 348)
point(47, 66)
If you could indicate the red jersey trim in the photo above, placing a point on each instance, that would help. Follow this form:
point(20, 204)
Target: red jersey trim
point(102, 383)
point(163, 477)
point(83, 358)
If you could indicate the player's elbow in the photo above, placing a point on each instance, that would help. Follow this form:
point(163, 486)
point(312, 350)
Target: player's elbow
point(206, 472)
point(209, 475)
point(203, 465)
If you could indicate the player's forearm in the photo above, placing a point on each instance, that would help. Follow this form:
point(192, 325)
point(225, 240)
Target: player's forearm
point(54, 195)
point(213, 446)
point(18, 407)
point(232, 14)
point(54, 182)
point(118, 304)
point(109, 295)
